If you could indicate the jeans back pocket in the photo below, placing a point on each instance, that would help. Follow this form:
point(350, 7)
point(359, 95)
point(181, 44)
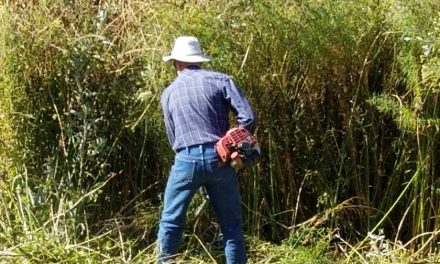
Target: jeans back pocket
point(183, 171)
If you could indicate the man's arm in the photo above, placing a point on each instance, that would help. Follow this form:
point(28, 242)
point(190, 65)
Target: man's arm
point(169, 124)
point(240, 106)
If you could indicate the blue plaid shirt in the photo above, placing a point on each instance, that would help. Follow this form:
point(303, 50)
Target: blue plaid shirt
point(196, 107)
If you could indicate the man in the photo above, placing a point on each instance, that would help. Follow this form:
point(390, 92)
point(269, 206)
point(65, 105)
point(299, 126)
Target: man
point(196, 109)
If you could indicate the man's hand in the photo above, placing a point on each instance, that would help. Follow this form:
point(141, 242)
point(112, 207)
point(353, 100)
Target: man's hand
point(236, 162)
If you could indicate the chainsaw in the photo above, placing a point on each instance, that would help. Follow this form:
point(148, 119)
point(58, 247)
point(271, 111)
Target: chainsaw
point(238, 142)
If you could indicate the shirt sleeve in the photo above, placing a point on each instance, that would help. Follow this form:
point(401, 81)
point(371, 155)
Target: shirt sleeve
point(239, 106)
point(169, 124)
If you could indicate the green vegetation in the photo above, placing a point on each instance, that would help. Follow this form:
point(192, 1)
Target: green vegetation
point(346, 93)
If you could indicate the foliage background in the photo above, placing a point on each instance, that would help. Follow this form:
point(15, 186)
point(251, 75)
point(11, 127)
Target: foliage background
point(346, 93)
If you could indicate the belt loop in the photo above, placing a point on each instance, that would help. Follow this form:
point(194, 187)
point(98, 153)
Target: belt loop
point(201, 152)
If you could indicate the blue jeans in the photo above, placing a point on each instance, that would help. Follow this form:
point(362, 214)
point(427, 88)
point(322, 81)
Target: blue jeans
point(195, 167)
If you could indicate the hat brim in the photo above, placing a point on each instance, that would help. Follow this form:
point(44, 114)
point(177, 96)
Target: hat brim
point(193, 58)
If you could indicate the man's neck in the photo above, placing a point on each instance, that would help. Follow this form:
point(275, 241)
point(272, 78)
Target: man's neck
point(189, 67)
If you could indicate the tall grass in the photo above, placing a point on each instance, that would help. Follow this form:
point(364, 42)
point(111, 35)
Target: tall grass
point(345, 93)
point(73, 85)
point(414, 110)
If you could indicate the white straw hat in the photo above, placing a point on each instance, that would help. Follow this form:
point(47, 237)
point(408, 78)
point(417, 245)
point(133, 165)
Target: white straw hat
point(187, 49)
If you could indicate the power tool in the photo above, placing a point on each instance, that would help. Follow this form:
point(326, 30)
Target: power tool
point(238, 142)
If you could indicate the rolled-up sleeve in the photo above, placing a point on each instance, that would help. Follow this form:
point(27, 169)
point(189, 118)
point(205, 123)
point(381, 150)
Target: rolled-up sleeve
point(240, 106)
